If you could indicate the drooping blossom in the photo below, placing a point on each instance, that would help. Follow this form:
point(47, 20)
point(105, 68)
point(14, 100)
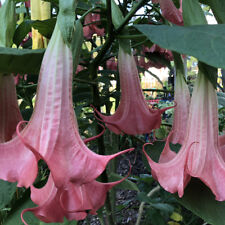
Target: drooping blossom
point(133, 116)
point(170, 12)
point(17, 163)
point(72, 202)
point(18, 77)
point(54, 123)
point(149, 56)
point(91, 22)
point(200, 155)
point(111, 64)
point(79, 68)
point(181, 111)
point(27, 4)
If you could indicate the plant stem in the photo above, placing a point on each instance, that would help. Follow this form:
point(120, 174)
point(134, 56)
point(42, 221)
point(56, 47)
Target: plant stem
point(141, 208)
point(157, 90)
point(130, 15)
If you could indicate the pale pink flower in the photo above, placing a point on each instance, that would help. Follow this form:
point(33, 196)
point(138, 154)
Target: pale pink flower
point(133, 116)
point(200, 155)
point(170, 12)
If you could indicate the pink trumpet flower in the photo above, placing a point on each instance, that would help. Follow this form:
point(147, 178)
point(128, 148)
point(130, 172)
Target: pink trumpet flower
point(91, 27)
point(200, 155)
point(133, 115)
point(181, 111)
point(73, 202)
point(27, 4)
point(53, 124)
point(111, 64)
point(17, 163)
point(170, 12)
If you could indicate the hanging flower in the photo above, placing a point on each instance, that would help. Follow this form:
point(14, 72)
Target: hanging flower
point(53, 124)
point(111, 64)
point(17, 163)
point(27, 4)
point(200, 155)
point(170, 12)
point(72, 202)
point(91, 22)
point(133, 115)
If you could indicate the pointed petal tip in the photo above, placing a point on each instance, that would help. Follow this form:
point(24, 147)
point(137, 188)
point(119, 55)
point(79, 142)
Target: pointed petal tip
point(97, 136)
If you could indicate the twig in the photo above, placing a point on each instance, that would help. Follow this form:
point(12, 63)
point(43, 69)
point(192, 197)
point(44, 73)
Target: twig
point(141, 208)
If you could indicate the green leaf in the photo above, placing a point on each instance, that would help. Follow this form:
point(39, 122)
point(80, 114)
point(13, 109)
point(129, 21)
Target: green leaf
point(126, 184)
point(7, 190)
point(20, 60)
point(193, 13)
point(218, 8)
point(205, 42)
point(7, 24)
point(21, 31)
point(163, 207)
point(178, 63)
point(66, 19)
point(76, 45)
point(44, 27)
point(221, 98)
point(14, 218)
point(200, 200)
point(117, 16)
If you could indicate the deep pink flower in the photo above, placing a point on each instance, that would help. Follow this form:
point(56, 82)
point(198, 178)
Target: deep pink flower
point(200, 155)
point(170, 12)
point(27, 4)
point(79, 68)
point(146, 59)
point(111, 64)
point(18, 77)
point(133, 116)
point(71, 202)
point(91, 22)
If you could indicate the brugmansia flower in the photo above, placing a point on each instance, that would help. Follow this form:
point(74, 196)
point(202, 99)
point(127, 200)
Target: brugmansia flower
point(72, 202)
point(91, 22)
point(53, 124)
point(200, 155)
point(170, 12)
point(133, 116)
point(17, 163)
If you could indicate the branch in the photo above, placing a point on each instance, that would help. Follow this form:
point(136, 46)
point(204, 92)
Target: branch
point(130, 15)
point(141, 208)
